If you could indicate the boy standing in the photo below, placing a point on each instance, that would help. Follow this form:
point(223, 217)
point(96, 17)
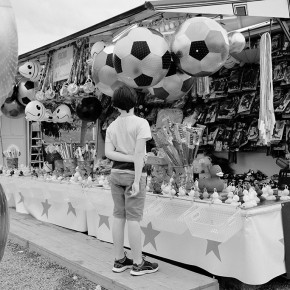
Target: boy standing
point(126, 145)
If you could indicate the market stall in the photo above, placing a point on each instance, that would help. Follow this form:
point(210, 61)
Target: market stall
point(213, 82)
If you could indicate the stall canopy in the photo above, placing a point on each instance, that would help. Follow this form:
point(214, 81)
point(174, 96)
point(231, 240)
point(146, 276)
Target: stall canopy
point(236, 14)
point(233, 15)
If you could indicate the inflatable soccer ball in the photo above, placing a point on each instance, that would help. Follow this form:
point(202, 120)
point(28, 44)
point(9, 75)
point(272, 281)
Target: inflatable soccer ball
point(26, 92)
point(237, 42)
point(141, 58)
point(200, 46)
point(103, 72)
point(97, 48)
point(173, 86)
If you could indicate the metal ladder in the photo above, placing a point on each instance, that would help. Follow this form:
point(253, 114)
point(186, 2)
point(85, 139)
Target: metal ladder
point(36, 145)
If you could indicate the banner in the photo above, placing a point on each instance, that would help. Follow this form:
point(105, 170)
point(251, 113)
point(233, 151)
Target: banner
point(62, 61)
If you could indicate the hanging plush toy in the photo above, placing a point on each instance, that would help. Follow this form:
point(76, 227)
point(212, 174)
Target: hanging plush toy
point(200, 46)
point(35, 111)
point(31, 70)
point(62, 114)
point(141, 58)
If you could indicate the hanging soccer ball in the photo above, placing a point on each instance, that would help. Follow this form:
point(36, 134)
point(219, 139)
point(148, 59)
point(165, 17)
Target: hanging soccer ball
point(141, 58)
point(173, 86)
point(200, 46)
point(62, 114)
point(26, 92)
point(237, 42)
point(34, 111)
point(11, 107)
point(103, 72)
point(31, 70)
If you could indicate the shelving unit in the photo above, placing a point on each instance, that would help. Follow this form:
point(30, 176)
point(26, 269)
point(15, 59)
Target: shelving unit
point(36, 147)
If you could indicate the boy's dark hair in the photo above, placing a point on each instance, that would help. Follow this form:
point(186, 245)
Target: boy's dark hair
point(124, 98)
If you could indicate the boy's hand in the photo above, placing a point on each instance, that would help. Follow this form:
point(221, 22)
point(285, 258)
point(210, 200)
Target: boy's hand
point(135, 189)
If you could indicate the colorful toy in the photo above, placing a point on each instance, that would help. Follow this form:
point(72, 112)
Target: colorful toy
point(62, 114)
point(214, 181)
point(34, 111)
point(31, 70)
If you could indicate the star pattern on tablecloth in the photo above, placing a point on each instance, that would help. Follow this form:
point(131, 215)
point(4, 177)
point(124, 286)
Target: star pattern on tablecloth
point(71, 209)
point(21, 198)
point(213, 246)
point(150, 235)
point(46, 207)
point(104, 220)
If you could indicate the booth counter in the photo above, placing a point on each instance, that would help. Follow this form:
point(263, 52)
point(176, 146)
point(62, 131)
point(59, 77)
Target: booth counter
point(254, 254)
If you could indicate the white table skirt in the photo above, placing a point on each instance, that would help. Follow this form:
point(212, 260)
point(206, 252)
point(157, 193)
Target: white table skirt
point(254, 255)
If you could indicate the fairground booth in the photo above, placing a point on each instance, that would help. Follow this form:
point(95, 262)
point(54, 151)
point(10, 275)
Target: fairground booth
point(213, 80)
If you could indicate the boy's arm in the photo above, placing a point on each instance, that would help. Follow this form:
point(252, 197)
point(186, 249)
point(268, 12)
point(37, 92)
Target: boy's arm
point(111, 153)
point(138, 163)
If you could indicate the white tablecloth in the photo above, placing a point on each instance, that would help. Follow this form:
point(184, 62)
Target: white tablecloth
point(254, 255)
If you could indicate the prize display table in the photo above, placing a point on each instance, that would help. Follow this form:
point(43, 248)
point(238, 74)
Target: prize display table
point(254, 254)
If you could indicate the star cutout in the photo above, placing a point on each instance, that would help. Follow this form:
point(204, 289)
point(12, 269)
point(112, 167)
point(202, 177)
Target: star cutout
point(71, 209)
point(212, 246)
point(104, 220)
point(21, 198)
point(46, 207)
point(281, 241)
point(150, 235)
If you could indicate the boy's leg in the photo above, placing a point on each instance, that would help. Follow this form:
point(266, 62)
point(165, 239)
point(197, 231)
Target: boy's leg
point(118, 237)
point(134, 235)
point(119, 214)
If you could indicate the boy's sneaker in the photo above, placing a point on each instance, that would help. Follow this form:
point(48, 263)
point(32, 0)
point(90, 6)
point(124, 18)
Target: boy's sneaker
point(122, 264)
point(144, 268)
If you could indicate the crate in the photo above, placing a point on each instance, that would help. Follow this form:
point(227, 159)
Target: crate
point(214, 222)
point(167, 214)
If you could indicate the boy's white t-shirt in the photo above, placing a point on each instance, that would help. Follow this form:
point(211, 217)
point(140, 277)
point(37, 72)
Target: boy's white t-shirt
point(124, 132)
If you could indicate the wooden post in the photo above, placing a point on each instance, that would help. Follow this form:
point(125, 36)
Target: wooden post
point(83, 132)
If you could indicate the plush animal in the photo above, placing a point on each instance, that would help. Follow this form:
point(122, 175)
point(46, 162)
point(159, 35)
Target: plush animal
point(214, 181)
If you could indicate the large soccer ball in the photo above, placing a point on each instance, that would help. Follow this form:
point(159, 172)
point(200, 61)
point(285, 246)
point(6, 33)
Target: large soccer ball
point(26, 92)
point(141, 58)
point(103, 72)
point(200, 46)
point(173, 86)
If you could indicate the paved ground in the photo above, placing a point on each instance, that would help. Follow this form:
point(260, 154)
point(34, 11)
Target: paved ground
point(24, 270)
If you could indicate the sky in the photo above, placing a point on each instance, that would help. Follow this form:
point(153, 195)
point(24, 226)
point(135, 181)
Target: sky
point(40, 22)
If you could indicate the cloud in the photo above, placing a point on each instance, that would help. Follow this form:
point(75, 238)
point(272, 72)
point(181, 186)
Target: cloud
point(40, 22)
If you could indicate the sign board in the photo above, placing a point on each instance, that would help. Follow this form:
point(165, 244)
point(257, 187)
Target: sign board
point(62, 61)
